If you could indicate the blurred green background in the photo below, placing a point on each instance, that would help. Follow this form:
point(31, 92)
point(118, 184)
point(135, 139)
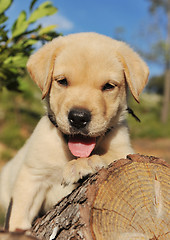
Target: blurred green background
point(20, 100)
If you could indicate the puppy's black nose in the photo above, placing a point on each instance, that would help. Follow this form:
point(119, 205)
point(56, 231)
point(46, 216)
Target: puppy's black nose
point(79, 118)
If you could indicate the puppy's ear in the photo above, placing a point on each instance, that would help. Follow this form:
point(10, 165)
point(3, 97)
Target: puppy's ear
point(40, 65)
point(135, 69)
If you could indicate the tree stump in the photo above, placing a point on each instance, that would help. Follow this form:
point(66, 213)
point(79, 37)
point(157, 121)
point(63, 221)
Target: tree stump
point(128, 200)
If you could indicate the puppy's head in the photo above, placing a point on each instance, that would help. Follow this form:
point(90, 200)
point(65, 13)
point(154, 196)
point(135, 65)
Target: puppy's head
point(84, 77)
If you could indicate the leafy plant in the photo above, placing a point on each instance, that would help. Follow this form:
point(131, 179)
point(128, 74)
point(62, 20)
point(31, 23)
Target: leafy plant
point(17, 43)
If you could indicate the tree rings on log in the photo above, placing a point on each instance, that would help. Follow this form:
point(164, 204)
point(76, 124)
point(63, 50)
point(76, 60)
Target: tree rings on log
point(128, 200)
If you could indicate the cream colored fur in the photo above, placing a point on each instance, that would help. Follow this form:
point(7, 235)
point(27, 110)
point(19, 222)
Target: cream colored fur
point(32, 179)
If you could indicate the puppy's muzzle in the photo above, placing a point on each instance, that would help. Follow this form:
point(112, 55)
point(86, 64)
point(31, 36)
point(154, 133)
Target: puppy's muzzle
point(79, 118)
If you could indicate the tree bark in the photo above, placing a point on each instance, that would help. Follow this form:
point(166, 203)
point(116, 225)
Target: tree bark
point(129, 200)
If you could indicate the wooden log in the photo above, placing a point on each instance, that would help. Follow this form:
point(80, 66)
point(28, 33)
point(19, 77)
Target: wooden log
point(129, 200)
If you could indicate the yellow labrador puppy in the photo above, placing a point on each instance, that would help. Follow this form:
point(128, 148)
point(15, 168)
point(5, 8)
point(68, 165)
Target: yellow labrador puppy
point(84, 79)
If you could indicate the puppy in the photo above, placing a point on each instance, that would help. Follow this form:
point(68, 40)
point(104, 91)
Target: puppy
point(84, 79)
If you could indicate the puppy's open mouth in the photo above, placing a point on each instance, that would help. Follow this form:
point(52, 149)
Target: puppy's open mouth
point(81, 146)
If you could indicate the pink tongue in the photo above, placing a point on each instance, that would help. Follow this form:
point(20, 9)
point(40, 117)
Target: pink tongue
point(81, 146)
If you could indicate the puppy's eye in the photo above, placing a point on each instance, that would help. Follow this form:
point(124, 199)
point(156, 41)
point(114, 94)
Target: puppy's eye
point(108, 86)
point(62, 82)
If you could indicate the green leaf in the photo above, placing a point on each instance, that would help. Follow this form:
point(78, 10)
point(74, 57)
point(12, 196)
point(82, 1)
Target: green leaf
point(2, 76)
point(18, 61)
point(47, 29)
point(30, 42)
point(3, 35)
point(3, 18)
point(32, 4)
point(4, 5)
point(45, 9)
point(20, 25)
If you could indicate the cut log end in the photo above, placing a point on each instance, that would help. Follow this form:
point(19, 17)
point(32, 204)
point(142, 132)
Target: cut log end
point(132, 203)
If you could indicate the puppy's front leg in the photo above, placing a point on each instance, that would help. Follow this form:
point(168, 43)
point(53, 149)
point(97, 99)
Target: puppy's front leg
point(27, 198)
point(77, 169)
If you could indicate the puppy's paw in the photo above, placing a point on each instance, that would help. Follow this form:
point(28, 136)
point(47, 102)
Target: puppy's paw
point(96, 163)
point(77, 169)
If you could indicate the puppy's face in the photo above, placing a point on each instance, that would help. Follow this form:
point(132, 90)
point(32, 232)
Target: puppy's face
point(84, 77)
point(87, 92)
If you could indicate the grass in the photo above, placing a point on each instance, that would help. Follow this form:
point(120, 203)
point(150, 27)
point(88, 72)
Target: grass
point(148, 111)
point(2, 217)
point(6, 154)
point(19, 113)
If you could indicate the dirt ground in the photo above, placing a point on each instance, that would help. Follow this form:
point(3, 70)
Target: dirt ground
point(152, 147)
